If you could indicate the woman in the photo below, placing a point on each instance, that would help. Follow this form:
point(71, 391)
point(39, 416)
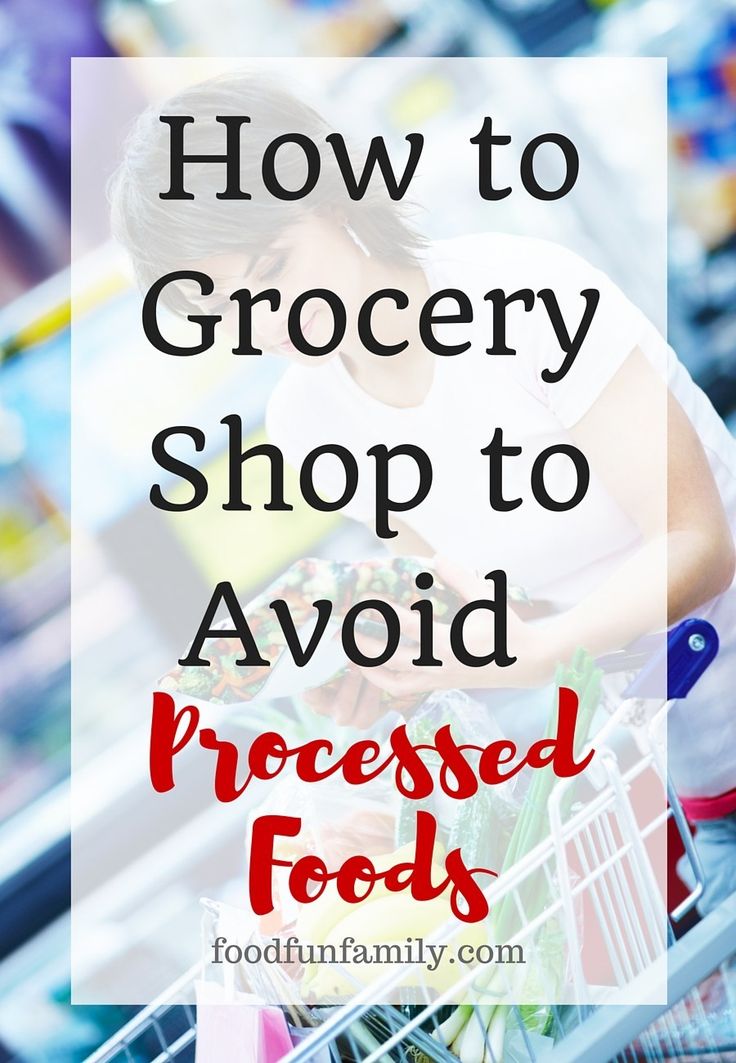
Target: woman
point(600, 566)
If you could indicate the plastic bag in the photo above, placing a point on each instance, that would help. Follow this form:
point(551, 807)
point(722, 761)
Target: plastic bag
point(343, 583)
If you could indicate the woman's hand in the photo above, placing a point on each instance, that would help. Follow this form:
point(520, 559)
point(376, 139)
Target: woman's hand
point(350, 701)
point(400, 678)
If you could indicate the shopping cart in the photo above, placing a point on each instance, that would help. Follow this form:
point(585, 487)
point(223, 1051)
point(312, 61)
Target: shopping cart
point(610, 852)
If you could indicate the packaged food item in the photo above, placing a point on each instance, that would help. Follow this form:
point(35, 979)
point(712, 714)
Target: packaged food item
point(238, 1027)
point(344, 584)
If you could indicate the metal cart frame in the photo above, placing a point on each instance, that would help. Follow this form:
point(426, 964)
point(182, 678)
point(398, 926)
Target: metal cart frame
point(582, 1033)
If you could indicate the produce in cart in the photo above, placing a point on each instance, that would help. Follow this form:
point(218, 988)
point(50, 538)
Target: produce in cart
point(475, 1032)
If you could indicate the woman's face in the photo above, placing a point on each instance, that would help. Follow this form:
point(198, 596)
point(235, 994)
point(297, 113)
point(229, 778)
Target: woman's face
point(314, 253)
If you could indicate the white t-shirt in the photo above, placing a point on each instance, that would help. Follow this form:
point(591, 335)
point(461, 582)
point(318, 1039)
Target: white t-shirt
point(557, 556)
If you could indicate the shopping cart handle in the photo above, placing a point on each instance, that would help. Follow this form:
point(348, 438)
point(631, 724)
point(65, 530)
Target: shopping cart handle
point(690, 648)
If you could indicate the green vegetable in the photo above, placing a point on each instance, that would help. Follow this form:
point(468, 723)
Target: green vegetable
point(475, 1033)
point(196, 682)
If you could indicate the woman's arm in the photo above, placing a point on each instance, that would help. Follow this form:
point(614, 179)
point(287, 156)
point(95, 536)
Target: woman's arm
point(687, 555)
point(407, 543)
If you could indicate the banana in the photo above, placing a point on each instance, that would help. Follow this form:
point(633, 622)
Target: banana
point(384, 917)
point(317, 918)
point(389, 920)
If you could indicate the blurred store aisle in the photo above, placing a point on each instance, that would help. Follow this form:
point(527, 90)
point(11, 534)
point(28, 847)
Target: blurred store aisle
point(36, 41)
